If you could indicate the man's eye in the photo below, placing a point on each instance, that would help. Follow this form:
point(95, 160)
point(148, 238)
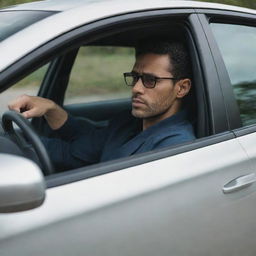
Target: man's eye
point(150, 79)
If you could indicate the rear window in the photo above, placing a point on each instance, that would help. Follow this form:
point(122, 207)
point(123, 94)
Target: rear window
point(13, 21)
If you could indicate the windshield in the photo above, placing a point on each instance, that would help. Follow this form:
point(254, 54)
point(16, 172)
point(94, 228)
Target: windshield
point(14, 21)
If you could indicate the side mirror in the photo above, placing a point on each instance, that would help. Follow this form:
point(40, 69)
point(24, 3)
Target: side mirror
point(22, 185)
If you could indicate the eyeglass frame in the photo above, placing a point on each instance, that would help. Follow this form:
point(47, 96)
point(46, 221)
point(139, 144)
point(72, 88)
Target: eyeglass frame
point(142, 76)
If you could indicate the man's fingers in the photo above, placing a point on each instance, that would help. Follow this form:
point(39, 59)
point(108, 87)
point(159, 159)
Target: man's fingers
point(14, 108)
point(30, 113)
point(26, 114)
point(22, 103)
point(17, 104)
point(30, 106)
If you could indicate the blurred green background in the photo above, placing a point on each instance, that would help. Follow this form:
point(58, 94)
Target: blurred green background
point(4, 3)
point(245, 3)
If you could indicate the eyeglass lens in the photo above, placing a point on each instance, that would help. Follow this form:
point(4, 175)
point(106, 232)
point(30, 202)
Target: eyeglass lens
point(147, 80)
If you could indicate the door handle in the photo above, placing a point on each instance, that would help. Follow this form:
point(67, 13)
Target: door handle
point(239, 183)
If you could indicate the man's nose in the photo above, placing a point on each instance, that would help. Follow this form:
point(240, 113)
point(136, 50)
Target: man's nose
point(138, 87)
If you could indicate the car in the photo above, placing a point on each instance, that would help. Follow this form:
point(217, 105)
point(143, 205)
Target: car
point(195, 198)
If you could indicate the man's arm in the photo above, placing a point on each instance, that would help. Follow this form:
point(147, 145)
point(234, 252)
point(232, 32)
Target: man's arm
point(31, 106)
point(78, 146)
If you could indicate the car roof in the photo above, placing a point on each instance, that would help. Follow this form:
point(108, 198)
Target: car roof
point(82, 12)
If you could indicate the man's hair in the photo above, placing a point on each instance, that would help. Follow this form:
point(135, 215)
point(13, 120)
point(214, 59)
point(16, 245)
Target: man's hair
point(178, 55)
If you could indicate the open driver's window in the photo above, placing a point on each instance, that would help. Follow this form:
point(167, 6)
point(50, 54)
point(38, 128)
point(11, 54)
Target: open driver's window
point(97, 74)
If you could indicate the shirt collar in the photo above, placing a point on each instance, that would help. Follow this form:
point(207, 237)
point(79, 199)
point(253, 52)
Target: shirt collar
point(172, 120)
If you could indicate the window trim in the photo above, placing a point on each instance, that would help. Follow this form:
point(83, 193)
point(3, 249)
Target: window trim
point(218, 117)
point(245, 130)
point(230, 104)
point(227, 16)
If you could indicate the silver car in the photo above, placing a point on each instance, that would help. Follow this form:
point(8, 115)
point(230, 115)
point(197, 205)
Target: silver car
point(193, 199)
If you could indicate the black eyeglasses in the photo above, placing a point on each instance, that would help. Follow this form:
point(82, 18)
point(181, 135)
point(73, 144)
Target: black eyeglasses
point(149, 81)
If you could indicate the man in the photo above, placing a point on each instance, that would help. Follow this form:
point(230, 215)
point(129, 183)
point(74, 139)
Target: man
point(160, 79)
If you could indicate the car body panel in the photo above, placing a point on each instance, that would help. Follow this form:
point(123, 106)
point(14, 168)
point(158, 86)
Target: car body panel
point(116, 209)
point(248, 143)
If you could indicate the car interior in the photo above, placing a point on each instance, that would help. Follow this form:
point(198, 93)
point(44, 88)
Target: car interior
point(57, 78)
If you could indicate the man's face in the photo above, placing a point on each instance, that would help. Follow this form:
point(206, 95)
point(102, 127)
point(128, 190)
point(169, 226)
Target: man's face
point(158, 101)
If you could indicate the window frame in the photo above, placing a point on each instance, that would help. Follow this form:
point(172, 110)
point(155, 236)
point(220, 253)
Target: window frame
point(206, 80)
point(231, 105)
point(217, 120)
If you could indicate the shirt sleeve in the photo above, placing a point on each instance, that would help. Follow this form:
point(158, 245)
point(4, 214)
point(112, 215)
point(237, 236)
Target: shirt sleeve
point(72, 129)
point(60, 153)
point(79, 144)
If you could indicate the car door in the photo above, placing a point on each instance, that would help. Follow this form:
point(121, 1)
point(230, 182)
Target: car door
point(171, 205)
point(169, 201)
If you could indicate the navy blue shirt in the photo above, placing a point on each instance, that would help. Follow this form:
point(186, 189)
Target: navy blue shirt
point(80, 145)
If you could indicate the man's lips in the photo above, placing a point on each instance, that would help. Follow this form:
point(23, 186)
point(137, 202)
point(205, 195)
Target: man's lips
point(137, 102)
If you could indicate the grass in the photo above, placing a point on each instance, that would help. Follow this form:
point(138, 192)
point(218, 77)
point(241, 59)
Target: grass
point(33, 79)
point(100, 73)
point(97, 70)
point(5, 3)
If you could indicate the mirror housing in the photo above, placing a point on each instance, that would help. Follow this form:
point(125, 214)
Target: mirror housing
point(22, 185)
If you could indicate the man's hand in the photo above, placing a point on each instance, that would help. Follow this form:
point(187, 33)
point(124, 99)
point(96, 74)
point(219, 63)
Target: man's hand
point(31, 106)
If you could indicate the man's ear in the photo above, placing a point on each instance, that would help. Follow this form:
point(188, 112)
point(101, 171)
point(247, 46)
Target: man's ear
point(184, 86)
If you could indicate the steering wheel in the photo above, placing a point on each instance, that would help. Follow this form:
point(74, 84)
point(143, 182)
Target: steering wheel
point(10, 117)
